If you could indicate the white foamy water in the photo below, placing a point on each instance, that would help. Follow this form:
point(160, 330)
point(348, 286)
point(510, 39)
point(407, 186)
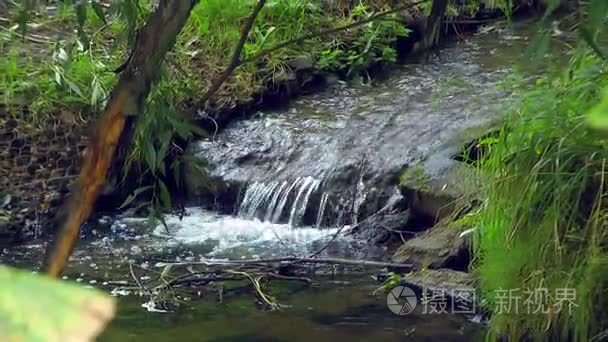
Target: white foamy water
point(228, 232)
point(269, 200)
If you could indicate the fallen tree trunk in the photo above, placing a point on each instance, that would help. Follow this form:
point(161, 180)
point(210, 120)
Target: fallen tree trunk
point(154, 40)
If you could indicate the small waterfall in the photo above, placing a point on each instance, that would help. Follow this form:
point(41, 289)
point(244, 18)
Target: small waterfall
point(272, 201)
point(321, 210)
point(299, 207)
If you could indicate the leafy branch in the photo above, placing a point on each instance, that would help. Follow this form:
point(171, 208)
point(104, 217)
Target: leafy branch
point(236, 61)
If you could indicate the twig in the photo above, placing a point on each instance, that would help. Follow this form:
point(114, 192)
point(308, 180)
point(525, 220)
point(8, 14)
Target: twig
point(236, 56)
point(207, 280)
point(268, 300)
point(143, 288)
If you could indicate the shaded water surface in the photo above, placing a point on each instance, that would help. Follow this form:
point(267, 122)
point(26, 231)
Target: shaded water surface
point(332, 312)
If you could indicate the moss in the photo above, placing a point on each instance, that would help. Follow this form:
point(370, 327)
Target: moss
point(415, 177)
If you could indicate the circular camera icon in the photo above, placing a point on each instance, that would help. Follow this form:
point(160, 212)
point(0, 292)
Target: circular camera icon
point(401, 300)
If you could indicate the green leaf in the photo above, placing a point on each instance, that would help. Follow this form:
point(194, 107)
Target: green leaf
point(37, 308)
point(598, 116)
point(176, 170)
point(96, 94)
point(22, 19)
point(98, 11)
point(150, 155)
point(73, 86)
point(134, 195)
point(587, 36)
point(537, 49)
point(165, 198)
point(81, 16)
point(552, 5)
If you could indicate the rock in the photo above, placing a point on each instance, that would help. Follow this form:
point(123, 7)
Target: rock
point(438, 247)
point(439, 186)
point(379, 229)
point(452, 283)
point(301, 63)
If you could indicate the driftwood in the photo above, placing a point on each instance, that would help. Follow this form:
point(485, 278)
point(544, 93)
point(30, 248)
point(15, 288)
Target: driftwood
point(291, 261)
point(209, 276)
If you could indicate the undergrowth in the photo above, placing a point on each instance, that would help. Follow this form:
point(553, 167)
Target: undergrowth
point(542, 232)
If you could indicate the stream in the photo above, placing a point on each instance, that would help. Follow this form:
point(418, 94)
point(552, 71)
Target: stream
point(292, 165)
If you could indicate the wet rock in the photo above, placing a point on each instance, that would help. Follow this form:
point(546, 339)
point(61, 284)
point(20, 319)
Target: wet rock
point(453, 284)
point(301, 63)
point(441, 278)
point(437, 247)
point(380, 229)
point(440, 186)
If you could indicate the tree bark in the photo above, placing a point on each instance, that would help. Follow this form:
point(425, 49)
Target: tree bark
point(154, 40)
point(434, 23)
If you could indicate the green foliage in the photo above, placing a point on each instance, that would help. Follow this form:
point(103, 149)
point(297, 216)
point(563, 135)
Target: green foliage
point(72, 79)
point(154, 154)
point(37, 308)
point(70, 72)
point(598, 115)
point(392, 281)
point(544, 222)
point(373, 42)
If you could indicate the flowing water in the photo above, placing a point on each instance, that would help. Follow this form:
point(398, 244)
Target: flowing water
point(292, 164)
point(353, 140)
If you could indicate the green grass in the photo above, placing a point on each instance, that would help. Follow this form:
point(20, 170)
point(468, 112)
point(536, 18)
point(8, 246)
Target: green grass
point(544, 223)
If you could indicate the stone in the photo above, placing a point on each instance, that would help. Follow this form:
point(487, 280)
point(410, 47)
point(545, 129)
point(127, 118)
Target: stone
point(440, 186)
point(379, 229)
point(301, 63)
point(439, 246)
point(449, 282)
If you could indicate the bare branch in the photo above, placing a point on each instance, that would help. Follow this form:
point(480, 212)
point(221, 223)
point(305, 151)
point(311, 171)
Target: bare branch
point(236, 55)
